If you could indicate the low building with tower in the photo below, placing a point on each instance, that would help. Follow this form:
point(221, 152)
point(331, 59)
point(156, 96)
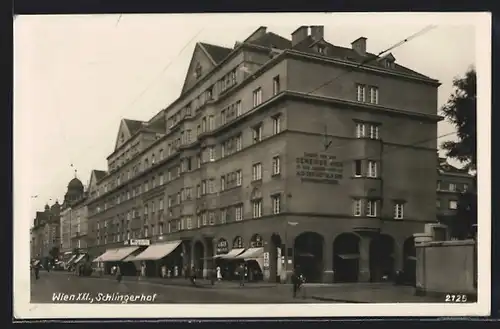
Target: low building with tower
point(267, 159)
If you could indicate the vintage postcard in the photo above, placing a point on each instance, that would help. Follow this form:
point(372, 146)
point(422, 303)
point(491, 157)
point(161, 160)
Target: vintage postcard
point(252, 164)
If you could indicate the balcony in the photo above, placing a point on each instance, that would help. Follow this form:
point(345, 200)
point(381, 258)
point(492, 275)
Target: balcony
point(366, 224)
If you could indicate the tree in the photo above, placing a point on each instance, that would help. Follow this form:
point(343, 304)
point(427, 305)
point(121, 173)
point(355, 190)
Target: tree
point(461, 111)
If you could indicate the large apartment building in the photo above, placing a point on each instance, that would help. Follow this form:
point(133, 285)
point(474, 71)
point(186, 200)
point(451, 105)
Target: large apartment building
point(287, 146)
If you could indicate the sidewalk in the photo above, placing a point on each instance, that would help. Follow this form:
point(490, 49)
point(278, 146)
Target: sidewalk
point(200, 283)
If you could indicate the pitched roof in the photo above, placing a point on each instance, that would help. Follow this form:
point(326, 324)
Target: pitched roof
point(271, 39)
point(217, 53)
point(445, 167)
point(133, 125)
point(99, 174)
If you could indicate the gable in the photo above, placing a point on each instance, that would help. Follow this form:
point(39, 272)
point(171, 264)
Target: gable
point(123, 135)
point(201, 63)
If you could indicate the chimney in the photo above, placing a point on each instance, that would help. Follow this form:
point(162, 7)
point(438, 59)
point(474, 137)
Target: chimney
point(299, 35)
point(359, 46)
point(317, 32)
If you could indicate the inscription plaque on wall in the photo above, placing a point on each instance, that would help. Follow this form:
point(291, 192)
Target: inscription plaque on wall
point(320, 168)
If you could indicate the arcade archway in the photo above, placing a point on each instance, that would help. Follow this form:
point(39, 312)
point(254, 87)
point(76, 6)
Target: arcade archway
point(238, 242)
point(256, 241)
point(199, 252)
point(308, 255)
point(409, 261)
point(346, 258)
point(382, 258)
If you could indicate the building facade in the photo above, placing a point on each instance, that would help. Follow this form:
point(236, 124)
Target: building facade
point(452, 183)
point(45, 238)
point(266, 148)
point(73, 217)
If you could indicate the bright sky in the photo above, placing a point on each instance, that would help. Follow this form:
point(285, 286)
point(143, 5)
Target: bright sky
point(77, 76)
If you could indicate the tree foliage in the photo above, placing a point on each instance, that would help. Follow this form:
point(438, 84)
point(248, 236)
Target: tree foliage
point(460, 110)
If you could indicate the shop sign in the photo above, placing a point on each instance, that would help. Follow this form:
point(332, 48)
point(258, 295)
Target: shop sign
point(138, 242)
point(266, 260)
point(222, 247)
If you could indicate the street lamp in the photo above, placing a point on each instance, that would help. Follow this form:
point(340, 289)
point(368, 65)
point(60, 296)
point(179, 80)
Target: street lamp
point(286, 247)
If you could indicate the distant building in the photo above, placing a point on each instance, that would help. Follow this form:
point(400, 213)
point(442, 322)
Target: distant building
point(265, 151)
point(45, 237)
point(452, 182)
point(73, 217)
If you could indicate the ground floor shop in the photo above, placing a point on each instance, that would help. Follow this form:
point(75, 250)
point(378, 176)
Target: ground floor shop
point(323, 249)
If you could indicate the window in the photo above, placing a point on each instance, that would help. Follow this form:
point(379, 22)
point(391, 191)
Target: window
point(211, 186)
point(145, 209)
point(257, 208)
point(223, 216)
point(239, 178)
point(238, 108)
point(438, 203)
point(453, 187)
point(256, 171)
point(357, 168)
point(211, 123)
point(257, 97)
point(374, 95)
point(238, 143)
point(360, 92)
point(398, 210)
point(453, 204)
point(465, 188)
point(276, 202)
point(146, 232)
point(211, 153)
point(257, 133)
point(222, 150)
point(373, 131)
point(204, 219)
point(211, 218)
point(360, 130)
point(276, 85)
point(371, 208)
point(357, 207)
point(321, 49)
point(276, 124)
point(223, 183)
point(239, 212)
point(372, 168)
point(276, 165)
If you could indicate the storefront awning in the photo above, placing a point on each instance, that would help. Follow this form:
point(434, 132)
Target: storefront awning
point(349, 256)
point(251, 253)
point(79, 258)
point(71, 259)
point(115, 255)
point(232, 254)
point(155, 251)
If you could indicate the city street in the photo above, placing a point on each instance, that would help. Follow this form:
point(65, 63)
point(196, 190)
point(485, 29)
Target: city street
point(43, 290)
point(181, 291)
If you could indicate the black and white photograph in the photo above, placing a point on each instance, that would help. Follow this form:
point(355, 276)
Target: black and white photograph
point(252, 165)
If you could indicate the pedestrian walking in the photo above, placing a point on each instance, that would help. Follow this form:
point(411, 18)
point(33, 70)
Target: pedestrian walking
point(219, 274)
point(118, 274)
point(297, 281)
point(36, 269)
point(193, 275)
point(242, 275)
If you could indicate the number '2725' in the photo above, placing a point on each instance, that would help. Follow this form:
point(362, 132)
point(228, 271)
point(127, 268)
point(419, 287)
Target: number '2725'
point(458, 298)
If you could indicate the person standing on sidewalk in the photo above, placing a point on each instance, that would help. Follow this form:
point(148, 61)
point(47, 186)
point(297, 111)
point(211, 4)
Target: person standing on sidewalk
point(297, 280)
point(219, 274)
point(193, 275)
point(118, 274)
point(241, 271)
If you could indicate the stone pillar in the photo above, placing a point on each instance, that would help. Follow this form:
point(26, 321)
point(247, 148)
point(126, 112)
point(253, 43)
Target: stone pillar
point(328, 260)
point(364, 258)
